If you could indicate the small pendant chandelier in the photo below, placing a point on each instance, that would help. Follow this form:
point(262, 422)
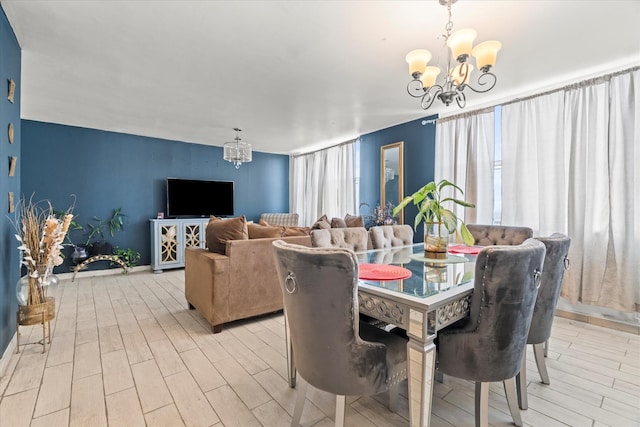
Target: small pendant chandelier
point(236, 151)
point(457, 72)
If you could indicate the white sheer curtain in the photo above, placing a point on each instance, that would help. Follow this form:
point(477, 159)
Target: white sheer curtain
point(535, 165)
point(465, 156)
point(323, 182)
point(569, 165)
point(623, 258)
point(602, 122)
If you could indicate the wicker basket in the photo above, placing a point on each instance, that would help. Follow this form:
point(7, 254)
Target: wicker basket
point(35, 314)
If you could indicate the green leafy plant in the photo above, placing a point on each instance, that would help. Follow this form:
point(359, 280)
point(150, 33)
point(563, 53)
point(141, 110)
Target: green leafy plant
point(129, 256)
point(100, 227)
point(432, 210)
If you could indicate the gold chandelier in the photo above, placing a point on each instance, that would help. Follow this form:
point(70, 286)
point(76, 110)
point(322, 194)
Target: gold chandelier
point(458, 73)
point(236, 151)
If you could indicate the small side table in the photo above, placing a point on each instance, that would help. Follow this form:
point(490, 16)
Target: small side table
point(33, 314)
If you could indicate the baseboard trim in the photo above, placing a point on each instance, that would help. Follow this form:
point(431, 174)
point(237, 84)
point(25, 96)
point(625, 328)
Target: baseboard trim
point(600, 321)
point(6, 356)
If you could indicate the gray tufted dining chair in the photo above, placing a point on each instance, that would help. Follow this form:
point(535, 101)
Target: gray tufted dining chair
point(556, 261)
point(354, 238)
point(332, 349)
point(486, 235)
point(488, 345)
point(390, 236)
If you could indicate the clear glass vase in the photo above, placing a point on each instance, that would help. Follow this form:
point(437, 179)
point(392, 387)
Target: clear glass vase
point(22, 290)
point(436, 241)
point(22, 287)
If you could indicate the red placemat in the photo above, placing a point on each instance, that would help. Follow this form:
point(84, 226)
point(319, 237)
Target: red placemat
point(464, 249)
point(383, 272)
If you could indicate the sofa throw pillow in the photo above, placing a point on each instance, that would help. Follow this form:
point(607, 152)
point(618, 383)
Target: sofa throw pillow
point(321, 223)
point(219, 231)
point(296, 231)
point(354, 221)
point(338, 223)
point(264, 231)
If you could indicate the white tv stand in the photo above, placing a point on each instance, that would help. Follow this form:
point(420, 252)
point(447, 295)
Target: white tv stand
point(169, 238)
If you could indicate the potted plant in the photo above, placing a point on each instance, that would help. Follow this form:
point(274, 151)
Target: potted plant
point(96, 236)
point(439, 221)
point(94, 242)
point(129, 256)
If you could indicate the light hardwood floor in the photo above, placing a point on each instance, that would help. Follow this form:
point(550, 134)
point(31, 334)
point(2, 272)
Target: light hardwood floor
point(126, 351)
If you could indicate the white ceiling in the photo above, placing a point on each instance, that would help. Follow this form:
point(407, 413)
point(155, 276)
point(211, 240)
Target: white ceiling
point(294, 75)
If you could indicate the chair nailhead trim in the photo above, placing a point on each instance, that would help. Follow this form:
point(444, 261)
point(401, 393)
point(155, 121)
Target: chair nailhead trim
point(397, 377)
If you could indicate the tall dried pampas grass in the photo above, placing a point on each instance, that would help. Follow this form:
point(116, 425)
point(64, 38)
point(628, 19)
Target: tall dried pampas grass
point(40, 233)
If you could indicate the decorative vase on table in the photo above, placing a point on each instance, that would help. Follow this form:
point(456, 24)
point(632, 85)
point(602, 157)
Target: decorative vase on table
point(436, 241)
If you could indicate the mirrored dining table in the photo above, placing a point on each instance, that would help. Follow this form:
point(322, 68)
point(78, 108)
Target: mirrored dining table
point(437, 294)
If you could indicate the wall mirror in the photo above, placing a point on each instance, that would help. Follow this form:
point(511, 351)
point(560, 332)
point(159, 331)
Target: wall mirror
point(392, 175)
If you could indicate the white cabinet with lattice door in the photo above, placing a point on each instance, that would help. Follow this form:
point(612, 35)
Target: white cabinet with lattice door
point(169, 237)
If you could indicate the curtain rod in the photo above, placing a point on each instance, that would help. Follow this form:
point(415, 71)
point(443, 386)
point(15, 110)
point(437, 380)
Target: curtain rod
point(571, 86)
point(465, 115)
point(584, 83)
point(325, 148)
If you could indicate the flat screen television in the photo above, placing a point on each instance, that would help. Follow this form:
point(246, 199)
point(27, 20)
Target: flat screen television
point(199, 198)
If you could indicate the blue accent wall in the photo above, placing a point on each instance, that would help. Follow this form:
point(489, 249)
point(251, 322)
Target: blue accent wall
point(109, 170)
point(10, 55)
point(419, 154)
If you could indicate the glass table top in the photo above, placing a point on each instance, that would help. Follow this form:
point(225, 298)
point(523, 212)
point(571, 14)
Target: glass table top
point(429, 277)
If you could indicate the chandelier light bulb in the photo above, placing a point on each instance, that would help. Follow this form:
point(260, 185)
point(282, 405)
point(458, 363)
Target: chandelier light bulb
point(461, 43)
point(418, 60)
point(429, 76)
point(486, 53)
